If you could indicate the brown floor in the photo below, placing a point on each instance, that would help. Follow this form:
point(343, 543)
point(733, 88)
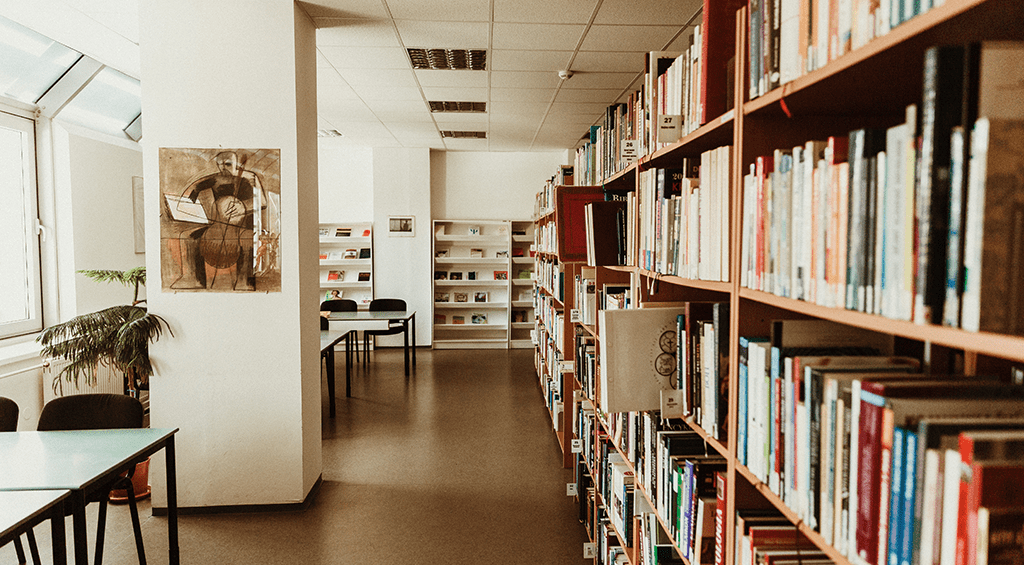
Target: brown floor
point(456, 465)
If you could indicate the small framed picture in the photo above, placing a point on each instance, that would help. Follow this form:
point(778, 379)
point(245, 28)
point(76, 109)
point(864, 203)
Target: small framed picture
point(461, 297)
point(480, 297)
point(401, 226)
point(455, 276)
point(471, 275)
point(479, 318)
point(440, 275)
point(441, 297)
point(501, 275)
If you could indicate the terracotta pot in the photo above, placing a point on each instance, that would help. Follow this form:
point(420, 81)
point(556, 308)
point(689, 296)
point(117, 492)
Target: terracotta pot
point(140, 485)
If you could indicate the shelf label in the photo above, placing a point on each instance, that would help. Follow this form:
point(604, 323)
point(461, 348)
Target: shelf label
point(668, 128)
point(590, 550)
point(672, 404)
point(565, 366)
point(574, 315)
point(628, 150)
point(570, 489)
point(577, 446)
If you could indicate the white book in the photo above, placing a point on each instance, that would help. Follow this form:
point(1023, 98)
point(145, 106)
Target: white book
point(950, 506)
point(709, 354)
point(970, 316)
point(930, 494)
point(796, 287)
point(726, 180)
point(851, 540)
point(746, 246)
point(789, 43)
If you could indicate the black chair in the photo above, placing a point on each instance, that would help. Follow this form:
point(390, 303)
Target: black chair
point(99, 412)
point(9, 423)
point(394, 328)
point(340, 305)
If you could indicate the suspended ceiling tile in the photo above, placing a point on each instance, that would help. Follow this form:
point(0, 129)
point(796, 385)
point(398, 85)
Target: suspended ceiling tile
point(385, 105)
point(523, 79)
point(461, 121)
point(461, 144)
point(522, 94)
point(356, 33)
point(467, 79)
point(628, 38)
point(364, 129)
point(537, 37)
point(423, 116)
point(518, 60)
point(519, 108)
point(390, 78)
point(420, 130)
point(430, 144)
point(600, 81)
point(322, 61)
point(605, 96)
point(647, 12)
point(385, 92)
point(608, 62)
point(443, 35)
point(450, 10)
point(347, 57)
point(683, 42)
point(344, 9)
point(543, 11)
point(455, 94)
point(578, 108)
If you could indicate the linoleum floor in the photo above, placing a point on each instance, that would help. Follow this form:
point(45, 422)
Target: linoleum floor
point(455, 465)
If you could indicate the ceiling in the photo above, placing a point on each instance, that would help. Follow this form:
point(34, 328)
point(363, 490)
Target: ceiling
point(368, 91)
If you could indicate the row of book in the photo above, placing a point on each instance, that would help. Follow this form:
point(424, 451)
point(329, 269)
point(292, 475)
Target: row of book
point(550, 276)
point(589, 299)
point(854, 441)
point(912, 222)
point(684, 218)
point(682, 90)
point(789, 38)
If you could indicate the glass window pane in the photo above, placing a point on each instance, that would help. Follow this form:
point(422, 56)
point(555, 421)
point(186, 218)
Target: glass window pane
point(108, 103)
point(19, 256)
point(30, 63)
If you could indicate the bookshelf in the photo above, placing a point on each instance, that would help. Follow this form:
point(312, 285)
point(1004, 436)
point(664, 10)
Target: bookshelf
point(521, 285)
point(471, 284)
point(346, 262)
point(828, 100)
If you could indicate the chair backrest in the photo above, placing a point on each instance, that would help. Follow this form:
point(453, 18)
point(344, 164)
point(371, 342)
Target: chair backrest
point(8, 415)
point(91, 412)
point(339, 305)
point(387, 305)
point(324, 325)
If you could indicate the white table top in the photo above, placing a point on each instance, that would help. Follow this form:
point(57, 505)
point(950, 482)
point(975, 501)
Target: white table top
point(19, 508)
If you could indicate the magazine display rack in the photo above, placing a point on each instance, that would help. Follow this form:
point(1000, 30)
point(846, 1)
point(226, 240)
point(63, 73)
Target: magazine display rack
point(346, 262)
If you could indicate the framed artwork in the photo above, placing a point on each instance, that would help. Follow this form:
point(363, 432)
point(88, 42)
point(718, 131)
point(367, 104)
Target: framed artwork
point(401, 226)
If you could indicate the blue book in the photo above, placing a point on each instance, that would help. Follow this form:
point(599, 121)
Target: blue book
point(909, 498)
point(741, 408)
point(896, 502)
point(686, 524)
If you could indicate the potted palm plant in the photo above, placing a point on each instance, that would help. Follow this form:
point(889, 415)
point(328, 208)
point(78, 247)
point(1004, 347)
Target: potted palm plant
point(118, 336)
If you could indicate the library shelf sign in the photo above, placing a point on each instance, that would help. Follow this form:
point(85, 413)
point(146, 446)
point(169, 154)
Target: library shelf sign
point(220, 219)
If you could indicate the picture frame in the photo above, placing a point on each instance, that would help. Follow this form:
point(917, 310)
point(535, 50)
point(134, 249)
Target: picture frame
point(478, 318)
point(441, 297)
point(480, 296)
point(440, 275)
point(501, 275)
point(401, 226)
point(461, 297)
point(471, 275)
point(455, 276)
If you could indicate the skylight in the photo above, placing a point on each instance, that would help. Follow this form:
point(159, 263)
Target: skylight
point(29, 62)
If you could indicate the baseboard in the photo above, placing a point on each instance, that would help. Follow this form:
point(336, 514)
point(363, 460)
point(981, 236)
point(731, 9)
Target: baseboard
point(249, 508)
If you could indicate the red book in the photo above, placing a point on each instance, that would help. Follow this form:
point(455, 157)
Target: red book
point(718, 46)
point(720, 519)
point(996, 462)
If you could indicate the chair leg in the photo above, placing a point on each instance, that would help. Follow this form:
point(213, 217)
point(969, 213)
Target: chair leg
point(19, 550)
point(101, 527)
point(134, 510)
point(32, 547)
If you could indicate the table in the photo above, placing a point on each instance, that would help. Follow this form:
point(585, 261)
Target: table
point(80, 461)
point(328, 339)
point(366, 320)
point(24, 509)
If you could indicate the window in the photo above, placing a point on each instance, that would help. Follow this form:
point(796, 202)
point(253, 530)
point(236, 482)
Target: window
point(20, 291)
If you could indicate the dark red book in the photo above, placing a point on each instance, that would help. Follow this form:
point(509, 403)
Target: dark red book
point(717, 50)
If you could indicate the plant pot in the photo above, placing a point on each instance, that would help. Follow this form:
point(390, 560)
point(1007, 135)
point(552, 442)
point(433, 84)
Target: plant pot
point(140, 485)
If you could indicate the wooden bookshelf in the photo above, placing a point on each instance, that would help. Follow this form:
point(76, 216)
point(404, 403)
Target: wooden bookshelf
point(867, 87)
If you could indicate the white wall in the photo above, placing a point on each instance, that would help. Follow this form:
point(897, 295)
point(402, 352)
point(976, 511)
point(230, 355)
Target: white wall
point(402, 265)
point(471, 185)
point(237, 73)
point(102, 237)
point(346, 183)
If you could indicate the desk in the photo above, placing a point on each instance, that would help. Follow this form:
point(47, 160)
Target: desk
point(328, 339)
point(366, 320)
point(83, 460)
point(24, 509)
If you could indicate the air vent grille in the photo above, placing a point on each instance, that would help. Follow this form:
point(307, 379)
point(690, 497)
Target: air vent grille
point(464, 134)
point(449, 59)
point(461, 107)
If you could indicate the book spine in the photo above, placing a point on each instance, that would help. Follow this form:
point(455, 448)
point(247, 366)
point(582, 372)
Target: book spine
point(869, 469)
point(720, 490)
point(742, 402)
point(896, 515)
point(910, 494)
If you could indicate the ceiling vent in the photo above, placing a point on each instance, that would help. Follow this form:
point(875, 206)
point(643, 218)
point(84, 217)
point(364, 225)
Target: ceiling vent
point(458, 107)
point(449, 59)
point(464, 134)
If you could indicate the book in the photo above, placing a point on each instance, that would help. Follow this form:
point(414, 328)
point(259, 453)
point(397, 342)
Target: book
point(335, 276)
point(604, 244)
point(325, 232)
point(442, 297)
point(440, 275)
point(334, 255)
point(343, 232)
point(440, 319)
point(480, 296)
point(993, 298)
point(473, 230)
point(999, 539)
point(457, 319)
point(455, 276)
point(460, 296)
point(501, 275)
point(333, 294)
point(479, 318)
point(364, 253)
point(363, 276)
point(637, 357)
point(476, 253)
point(992, 463)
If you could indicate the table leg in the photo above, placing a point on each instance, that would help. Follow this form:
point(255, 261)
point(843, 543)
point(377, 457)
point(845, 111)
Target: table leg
point(57, 536)
point(330, 378)
point(405, 344)
point(414, 339)
point(78, 521)
point(348, 361)
point(172, 504)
